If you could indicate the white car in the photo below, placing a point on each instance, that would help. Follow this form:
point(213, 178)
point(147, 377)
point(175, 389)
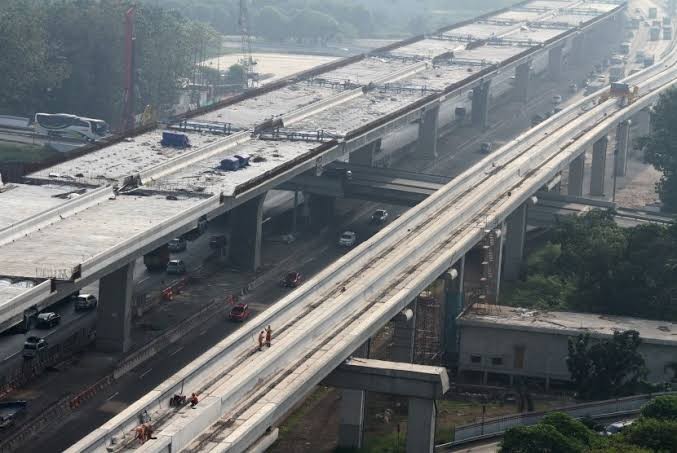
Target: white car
point(556, 99)
point(85, 302)
point(347, 239)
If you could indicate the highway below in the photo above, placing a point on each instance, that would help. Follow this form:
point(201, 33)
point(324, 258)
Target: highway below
point(458, 150)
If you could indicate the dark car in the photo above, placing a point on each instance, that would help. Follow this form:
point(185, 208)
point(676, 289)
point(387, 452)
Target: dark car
point(379, 216)
point(177, 245)
point(291, 280)
point(33, 346)
point(239, 313)
point(48, 320)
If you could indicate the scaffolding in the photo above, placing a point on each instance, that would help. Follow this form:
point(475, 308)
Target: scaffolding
point(430, 314)
point(486, 297)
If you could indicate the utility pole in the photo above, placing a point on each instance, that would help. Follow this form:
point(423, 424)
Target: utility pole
point(128, 119)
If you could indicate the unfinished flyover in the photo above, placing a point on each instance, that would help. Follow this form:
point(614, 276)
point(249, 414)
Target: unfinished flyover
point(89, 218)
point(322, 323)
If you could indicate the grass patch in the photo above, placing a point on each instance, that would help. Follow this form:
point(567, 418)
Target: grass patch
point(19, 152)
point(308, 405)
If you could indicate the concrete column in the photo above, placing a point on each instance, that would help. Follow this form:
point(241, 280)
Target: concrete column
point(598, 169)
point(351, 418)
point(643, 122)
point(522, 73)
point(404, 332)
point(114, 313)
point(427, 133)
point(514, 243)
point(421, 425)
point(576, 172)
point(245, 238)
point(321, 210)
point(454, 305)
point(578, 49)
point(555, 62)
point(622, 143)
point(352, 410)
point(366, 155)
point(480, 105)
point(499, 263)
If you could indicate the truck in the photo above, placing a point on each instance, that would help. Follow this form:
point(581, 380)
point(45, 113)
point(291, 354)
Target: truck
point(616, 73)
point(653, 13)
point(157, 259)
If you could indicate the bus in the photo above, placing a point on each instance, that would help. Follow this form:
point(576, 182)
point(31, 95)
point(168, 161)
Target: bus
point(70, 126)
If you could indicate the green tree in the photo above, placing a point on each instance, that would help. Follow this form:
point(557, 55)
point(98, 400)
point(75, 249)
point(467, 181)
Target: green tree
point(662, 408)
point(606, 368)
point(570, 427)
point(661, 148)
point(272, 24)
point(656, 435)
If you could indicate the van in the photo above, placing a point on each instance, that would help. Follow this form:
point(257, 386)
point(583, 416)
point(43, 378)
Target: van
point(85, 302)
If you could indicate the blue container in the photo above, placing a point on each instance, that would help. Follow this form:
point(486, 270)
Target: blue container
point(230, 164)
point(175, 139)
point(243, 158)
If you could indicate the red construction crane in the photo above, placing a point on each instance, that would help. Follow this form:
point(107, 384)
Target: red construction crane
point(128, 118)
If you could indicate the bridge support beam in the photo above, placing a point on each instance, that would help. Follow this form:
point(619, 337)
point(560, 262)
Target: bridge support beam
point(622, 143)
point(427, 133)
point(514, 243)
point(366, 155)
point(421, 384)
point(598, 168)
point(522, 73)
point(576, 172)
point(555, 58)
point(480, 105)
point(643, 122)
point(114, 313)
point(404, 333)
point(245, 238)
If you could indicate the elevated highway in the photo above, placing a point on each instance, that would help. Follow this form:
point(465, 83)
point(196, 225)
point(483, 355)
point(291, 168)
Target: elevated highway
point(139, 195)
point(244, 392)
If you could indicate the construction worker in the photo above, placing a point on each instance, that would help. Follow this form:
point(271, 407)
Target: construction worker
point(269, 335)
point(193, 400)
point(262, 335)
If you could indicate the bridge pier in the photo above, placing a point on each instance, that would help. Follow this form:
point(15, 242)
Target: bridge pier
point(522, 74)
point(366, 155)
point(421, 384)
point(514, 243)
point(114, 313)
point(576, 172)
point(643, 119)
point(622, 143)
point(480, 105)
point(404, 333)
point(352, 410)
point(555, 62)
point(598, 168)
point(578, 49)
point(427, 133)
point(245, 238)
point(454, 305)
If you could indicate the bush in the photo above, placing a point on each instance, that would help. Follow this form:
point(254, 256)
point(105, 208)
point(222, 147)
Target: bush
point(569, 427)
point(654, 434)
point(662, 408)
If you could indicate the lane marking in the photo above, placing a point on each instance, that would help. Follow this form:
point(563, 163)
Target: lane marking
point(145, 373)
point(175, 352)
point(202, 333)
point(112, 396)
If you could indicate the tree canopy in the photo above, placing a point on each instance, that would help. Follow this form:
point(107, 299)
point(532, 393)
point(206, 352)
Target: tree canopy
point(68, 56)
point(606, 368)
point(661, 147)
point(593, 265)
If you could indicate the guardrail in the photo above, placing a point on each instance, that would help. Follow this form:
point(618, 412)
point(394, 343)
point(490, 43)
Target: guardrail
point(495, 427)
